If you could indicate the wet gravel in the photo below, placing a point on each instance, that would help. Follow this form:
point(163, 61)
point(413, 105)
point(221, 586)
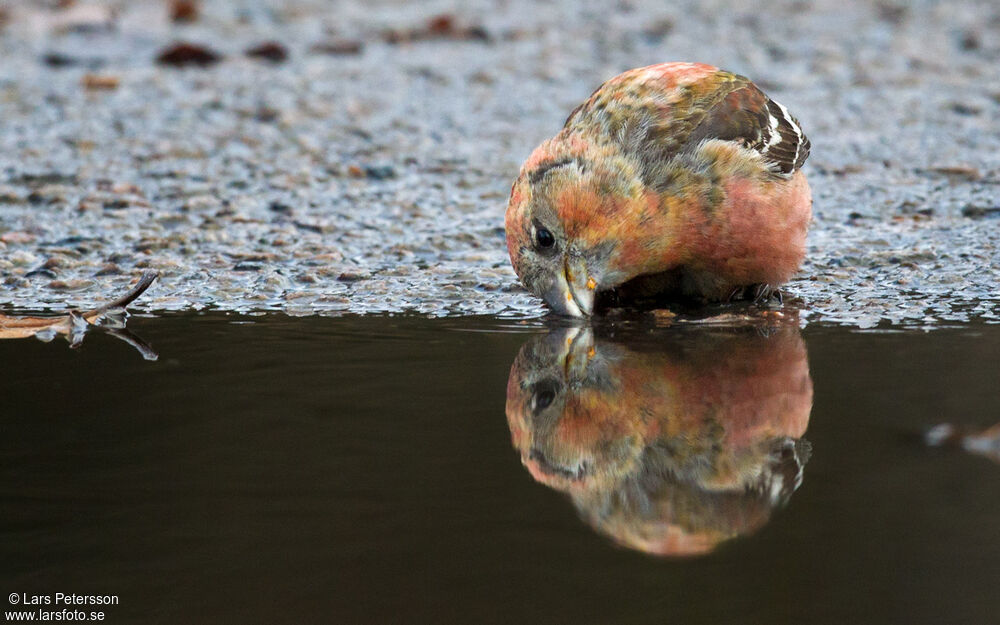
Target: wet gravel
point(323, 158)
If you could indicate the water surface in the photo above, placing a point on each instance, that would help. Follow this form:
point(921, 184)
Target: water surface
point(275, 469)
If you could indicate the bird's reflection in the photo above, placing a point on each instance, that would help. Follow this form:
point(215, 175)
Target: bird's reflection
point(669, 443)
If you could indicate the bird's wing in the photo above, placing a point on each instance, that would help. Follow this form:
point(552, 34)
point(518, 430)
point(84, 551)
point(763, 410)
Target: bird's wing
point(747, 116)
point(657, 112)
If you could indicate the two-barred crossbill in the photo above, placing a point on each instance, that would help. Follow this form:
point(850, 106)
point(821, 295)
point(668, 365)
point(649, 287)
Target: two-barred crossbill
point(674, 180)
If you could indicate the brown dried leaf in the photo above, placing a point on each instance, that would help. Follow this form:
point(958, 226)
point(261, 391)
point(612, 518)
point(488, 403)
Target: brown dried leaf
point(443, 26)
point(96, 82)
point(272, 51)
point(963, 172)
point(184, 54)
point(184, 11)
point(74, 324)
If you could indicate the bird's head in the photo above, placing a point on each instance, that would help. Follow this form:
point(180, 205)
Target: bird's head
point(576, 224)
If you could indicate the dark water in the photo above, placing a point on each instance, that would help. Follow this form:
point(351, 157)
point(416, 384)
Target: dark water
point(313, 470)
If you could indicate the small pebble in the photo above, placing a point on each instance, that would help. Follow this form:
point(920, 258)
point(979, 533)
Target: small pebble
point(338, 47)
point(17, 237)
point(70, 285)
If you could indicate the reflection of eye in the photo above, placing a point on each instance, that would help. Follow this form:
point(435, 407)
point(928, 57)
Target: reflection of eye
point(544, 238)
point(544, 399)
point(543, 395)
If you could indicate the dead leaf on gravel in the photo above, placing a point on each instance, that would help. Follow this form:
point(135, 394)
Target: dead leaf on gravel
point(95, 82)
point(444, 26)
point(185, 54)
point(272, 51)
point(959, 172)
point(185, 11)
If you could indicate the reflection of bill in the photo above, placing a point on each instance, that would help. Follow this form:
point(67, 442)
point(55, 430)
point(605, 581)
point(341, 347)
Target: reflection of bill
point(671, 443)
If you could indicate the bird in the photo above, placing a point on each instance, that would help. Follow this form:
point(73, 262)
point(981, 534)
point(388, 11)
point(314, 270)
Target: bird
point(676, 181)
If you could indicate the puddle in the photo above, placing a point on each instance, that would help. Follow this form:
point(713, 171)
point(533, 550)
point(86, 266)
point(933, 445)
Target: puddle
point(279, 469)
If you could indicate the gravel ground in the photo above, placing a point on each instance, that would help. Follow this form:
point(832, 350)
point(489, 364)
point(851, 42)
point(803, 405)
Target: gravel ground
point(368, 172)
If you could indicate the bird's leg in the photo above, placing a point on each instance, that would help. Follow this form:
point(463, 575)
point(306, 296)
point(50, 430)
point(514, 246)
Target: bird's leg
point(759, 294)
point(762, 293)
point(736, 294)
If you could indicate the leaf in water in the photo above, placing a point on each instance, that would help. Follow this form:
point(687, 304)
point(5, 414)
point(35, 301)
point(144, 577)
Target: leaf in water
point(109, 318)
point(981, 442)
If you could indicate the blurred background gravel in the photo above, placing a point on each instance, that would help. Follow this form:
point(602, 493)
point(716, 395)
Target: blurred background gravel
point(329, 157)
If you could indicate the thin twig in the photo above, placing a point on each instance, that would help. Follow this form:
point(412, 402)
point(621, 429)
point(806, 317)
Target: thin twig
point(122, 302)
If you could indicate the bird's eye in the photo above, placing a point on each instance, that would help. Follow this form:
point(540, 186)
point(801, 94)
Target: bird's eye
point(543, 394)
point(544, 238)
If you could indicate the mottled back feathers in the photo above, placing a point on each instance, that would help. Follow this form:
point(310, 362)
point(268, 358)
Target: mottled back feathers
point(658, 112)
